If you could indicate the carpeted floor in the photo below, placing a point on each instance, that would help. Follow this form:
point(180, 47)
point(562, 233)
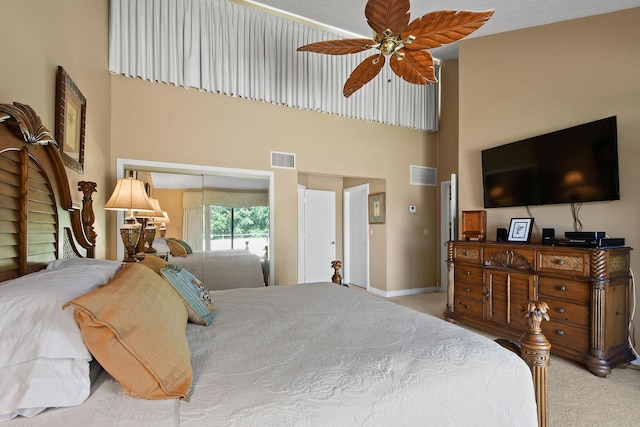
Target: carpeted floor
point(576, 397)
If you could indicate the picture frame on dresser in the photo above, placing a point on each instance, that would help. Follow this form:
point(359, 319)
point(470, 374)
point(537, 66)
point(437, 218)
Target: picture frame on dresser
point(71, 113)
point(520, 230)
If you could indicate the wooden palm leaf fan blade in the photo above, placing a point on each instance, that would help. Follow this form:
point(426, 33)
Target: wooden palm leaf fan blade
point(415, 66)
point(367, 70)
point(339, 47)
point(387, 15)
point(446, 26)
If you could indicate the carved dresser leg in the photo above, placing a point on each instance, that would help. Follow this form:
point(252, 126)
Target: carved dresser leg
point(535, 351)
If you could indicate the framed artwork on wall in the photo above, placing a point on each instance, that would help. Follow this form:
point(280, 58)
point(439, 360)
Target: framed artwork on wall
point(376, 208)
point(71, 113)
point(520, 230)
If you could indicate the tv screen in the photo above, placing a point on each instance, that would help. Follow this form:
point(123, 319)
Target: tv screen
point(578, 164)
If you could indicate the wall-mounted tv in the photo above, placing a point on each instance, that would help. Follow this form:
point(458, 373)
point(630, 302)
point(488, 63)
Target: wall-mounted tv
point(573, 165)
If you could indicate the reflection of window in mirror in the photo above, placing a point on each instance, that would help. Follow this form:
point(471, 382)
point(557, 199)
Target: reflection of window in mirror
point(240, 228)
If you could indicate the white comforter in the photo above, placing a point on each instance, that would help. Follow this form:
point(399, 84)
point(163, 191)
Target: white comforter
point(325, 355)
point(223, 269)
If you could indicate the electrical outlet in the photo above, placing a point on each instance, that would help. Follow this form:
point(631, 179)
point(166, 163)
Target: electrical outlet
point(413, 209)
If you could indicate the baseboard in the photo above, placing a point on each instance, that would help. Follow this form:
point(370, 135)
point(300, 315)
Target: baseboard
point(402, 292)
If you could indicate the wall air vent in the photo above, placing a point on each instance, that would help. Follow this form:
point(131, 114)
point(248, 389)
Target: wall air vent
point(283, 160)
point(421, 175)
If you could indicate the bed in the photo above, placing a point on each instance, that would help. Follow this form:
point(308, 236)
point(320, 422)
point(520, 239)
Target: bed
point(313, 354)
point(217, 269)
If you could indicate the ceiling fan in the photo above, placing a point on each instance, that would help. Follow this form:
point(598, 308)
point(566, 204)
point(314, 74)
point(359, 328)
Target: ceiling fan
point(406, 44)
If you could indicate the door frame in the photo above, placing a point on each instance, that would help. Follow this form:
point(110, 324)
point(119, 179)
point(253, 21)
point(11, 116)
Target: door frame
point(448, 224)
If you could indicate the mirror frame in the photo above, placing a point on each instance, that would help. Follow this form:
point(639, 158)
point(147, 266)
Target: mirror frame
point(123, 164)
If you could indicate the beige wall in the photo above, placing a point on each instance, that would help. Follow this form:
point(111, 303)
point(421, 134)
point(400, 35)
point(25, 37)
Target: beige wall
point(533, 81)
point(39, 35)
point(164, 123)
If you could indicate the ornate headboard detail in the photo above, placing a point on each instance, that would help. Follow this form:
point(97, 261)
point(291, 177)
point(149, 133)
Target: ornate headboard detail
point(37, 220)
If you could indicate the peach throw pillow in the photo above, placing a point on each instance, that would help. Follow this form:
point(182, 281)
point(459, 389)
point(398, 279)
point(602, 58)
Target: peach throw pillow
point(135, 327)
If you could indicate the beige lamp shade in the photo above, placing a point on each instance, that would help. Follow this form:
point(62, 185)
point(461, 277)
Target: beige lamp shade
point(156, 213)
point(165, 217)
point(129, 195)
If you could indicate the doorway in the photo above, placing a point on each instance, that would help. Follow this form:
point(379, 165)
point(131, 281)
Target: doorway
point(356, 236)
point(316, 234)
point(448, 224)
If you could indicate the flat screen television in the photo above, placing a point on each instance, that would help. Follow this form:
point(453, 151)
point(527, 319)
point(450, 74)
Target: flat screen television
point(573, 165)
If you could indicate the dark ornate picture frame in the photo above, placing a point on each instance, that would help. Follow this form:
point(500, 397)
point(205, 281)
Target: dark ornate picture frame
point(71, 113)
point(376, 208)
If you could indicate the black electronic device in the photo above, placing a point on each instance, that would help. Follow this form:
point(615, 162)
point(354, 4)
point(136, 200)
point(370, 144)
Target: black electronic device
point(501, 234)
point(577, 164)
point(547, 235)
point(584, 234)
point(598, 242)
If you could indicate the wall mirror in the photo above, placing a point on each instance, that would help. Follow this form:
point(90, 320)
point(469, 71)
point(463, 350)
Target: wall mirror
point(210, 208)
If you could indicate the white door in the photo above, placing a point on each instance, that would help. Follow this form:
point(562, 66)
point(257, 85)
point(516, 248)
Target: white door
point(318, 243)
point(448, 224)
point(355, 268)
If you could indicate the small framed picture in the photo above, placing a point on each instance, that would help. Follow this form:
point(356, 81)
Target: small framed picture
point(71, 114)
point(376, 208)
point(520, 230)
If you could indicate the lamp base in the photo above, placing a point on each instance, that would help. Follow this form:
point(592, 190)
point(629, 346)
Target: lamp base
point(130, 234)
point(149, 235)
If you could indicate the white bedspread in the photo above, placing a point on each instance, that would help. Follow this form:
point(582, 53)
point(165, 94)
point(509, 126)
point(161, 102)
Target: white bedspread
point(326, 355)
point(223, 269)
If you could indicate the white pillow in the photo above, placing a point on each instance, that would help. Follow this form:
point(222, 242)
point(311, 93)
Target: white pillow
point(79, 262)
point(38, 333)
point(160, 245)
point(42, 383)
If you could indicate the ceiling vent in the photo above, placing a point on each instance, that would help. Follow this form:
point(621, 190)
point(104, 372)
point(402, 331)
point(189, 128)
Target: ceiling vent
point(283, 160)
point(421, 175)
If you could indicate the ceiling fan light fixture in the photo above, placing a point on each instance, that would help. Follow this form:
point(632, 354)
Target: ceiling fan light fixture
point(405, 43)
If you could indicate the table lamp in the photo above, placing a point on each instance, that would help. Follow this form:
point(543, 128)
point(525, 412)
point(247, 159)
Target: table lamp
point(149, 231)
point(129, 195)
point(163, 223)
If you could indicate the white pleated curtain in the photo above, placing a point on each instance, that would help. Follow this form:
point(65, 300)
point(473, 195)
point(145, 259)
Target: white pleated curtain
point(223, 47)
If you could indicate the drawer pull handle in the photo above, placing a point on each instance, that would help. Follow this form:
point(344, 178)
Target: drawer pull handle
point(467, 273)
point(467, 289)
point(467, 306)
point(560, 332)
point(562, 288)
point(465, 253)
point(559, 261)
point(561, 310)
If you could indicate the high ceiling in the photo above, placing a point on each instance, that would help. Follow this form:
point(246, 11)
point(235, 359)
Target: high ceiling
point(348, 15)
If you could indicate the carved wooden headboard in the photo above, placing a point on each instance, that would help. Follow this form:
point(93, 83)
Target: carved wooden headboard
point(37, 220)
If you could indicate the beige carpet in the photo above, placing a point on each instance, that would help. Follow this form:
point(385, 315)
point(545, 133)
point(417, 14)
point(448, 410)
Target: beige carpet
point(576, 397)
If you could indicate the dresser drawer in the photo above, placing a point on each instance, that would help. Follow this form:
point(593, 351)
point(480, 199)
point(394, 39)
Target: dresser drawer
point(468, 306)
point(467, 273)
point(573, 262)
point(468, 290)
point(578, 292)
point(563, 311)
point(468, 254)
point(565, 335)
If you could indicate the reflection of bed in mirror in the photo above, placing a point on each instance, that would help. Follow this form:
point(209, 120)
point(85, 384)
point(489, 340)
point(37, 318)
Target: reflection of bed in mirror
point(219, 269)
point(193, 196)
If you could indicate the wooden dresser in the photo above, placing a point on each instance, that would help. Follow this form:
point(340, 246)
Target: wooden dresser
point(587, 291)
